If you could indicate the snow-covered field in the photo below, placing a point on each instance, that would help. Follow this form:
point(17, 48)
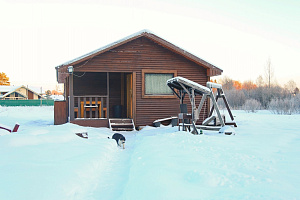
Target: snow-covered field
point(43, 161)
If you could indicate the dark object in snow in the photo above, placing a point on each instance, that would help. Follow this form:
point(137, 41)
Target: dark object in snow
point(15, 129)
point(227, 130)
point(83, 135)
point(120, 139)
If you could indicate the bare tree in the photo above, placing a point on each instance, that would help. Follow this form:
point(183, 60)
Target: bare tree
point(269, 73)
point(260, 81)
point(227, 83)
point(290, 86)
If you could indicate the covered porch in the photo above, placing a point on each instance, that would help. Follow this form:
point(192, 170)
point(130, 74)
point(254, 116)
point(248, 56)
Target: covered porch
point(96, 97)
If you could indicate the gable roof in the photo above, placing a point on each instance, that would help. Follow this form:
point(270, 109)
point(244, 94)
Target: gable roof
point(12, 89)
point(8, 88)
point(148, 34)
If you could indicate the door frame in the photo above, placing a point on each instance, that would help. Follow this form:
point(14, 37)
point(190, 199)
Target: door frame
point(130, 80)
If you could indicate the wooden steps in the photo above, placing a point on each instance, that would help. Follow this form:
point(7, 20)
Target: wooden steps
point(121, 124)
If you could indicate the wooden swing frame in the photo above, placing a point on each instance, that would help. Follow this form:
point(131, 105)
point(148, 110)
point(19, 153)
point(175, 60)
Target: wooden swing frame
point(182, 87)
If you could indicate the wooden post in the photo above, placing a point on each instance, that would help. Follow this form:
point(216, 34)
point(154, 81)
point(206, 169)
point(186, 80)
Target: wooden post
point(107, 99)
point(84, 110)
point(134, 96)
point(227, 106)
point(97, 108)
point(193, 104)
point(71, 100)
point(91, 103)
point(217, 109)
point(122, 89)
point(102, 115)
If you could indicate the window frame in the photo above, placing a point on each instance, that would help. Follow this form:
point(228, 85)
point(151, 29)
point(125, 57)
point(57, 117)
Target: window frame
point(150, 71)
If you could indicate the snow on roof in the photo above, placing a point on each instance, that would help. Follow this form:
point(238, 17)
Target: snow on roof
point(187, 83)
point(105, 47)
point(7, 89)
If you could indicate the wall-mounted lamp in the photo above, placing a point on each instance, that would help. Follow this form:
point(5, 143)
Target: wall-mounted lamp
point(70, 69)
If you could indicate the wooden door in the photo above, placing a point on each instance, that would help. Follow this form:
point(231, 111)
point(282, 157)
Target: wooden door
point(129, 94)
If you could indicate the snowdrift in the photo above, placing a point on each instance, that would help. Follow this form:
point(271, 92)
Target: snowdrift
point(43, 161)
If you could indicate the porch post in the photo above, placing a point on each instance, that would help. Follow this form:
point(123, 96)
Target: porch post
point(134, 96)
point(71, 95)
point(107, 99)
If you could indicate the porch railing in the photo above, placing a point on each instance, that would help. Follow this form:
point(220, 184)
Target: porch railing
point(90, 107)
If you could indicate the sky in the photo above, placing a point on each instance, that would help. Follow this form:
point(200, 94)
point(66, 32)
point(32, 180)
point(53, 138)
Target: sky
point(236, 36)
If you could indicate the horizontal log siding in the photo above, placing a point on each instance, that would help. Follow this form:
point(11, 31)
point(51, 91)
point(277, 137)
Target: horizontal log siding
point(143, 53)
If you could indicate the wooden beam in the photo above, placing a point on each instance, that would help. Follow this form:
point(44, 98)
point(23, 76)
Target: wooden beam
point(227, 106)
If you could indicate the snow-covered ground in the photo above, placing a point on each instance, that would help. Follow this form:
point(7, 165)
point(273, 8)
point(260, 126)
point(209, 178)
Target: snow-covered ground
point(43, 161)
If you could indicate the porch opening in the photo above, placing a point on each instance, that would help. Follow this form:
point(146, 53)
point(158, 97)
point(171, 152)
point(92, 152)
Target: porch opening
point(101, 95)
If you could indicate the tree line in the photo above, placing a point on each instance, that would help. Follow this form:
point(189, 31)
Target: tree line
point(261, 94)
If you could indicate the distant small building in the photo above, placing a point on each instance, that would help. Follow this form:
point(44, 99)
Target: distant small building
point(18, 93)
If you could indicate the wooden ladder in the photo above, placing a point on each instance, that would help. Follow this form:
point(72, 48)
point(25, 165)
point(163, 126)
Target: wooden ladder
point(121, 124)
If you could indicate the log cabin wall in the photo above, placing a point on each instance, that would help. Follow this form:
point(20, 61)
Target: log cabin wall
point(135, 56)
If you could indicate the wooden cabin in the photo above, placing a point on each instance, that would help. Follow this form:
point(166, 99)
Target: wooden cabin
point(127, 79)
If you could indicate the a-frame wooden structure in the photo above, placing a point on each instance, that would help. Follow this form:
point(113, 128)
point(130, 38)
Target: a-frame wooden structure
point(182, 86)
